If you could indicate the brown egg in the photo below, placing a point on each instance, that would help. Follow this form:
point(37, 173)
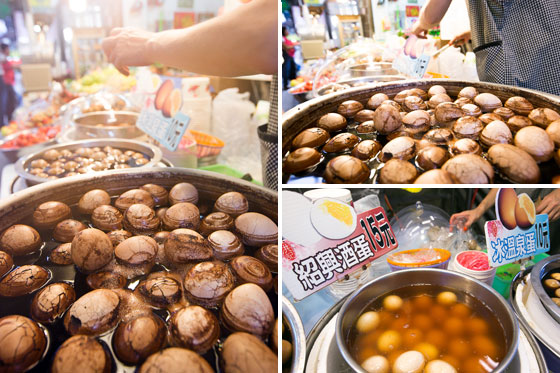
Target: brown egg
point(159, 193)
point(118, 236)
point(174, 360)
point(437, 338)
point(436, 176)
point(214, 222)
point(23, 280)
point(311, 138)
point(346, 169)
point(248, 269)
point(186, 246)
point(535, 141)
point(366, 149)
point(20, 240)
point(349, 108)
point(397, 171)
point(49, 214)
point(195, 328)
point(232, 203)
point(476, 325)
point(139, 219)
point(93, 313)
point(6, 263)
point(91, 250)
point(465, 146)
point(81, 353)
point(518, 122)
point(182, 215)
point(459, 348)
point(256, 229)
point(238, 349)
point(62, 254)
point(542, 117)
point(364, 116)
point(454, 326)
point(432, 157)
point(225, 245)
point(268, 254)
point(400, 148)
point(439, 136)
point(107, 218)
point(106, 280)
point(302, 159)
point(332, 122)
point(208, 283)
point(553, 131)
point(367, 127)
point(92, 199)
point(137, 251)
point(484, 346)
point(411, 337)
point(52, 301)
point(160, 290)
point(470, 169)
point(341, 143)
point(515, 163)
point(496, 132)
point(67, 229)
point(376, 100)
point(132, 197)
point(23, 343)
point(137, 339)
point(387, 118)
point(183, 192)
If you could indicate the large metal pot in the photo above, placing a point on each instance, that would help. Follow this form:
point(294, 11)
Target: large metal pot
point(376, 68)
point(210, 186)
point(113, 124)
point(357, 82)
point(357, 302)
point(148, 149)
point(537, 273)
point(306, 115)
point(295, 326)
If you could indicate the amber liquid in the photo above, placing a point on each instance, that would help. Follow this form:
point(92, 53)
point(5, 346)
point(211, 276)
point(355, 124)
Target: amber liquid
point(467, 334)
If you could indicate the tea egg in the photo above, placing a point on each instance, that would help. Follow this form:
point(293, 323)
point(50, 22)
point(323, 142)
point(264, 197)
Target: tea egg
point(453, 326)
point(422, 322)
point(459, 348)
point(392, 303)
point(460, 310)
point(376, 364)
point(439, 366)
point(437, 338)
point(409, 362)
point(423, 302)
point(389, 341)
point(412, 337)
point(446, 298)
point(552, 284)
point(477, 325)
point(367, 322)
point(484, 346)
point(428, 350)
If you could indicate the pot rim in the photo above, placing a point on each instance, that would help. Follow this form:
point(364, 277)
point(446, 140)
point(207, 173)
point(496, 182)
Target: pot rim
point(537, 273)
point(298, 335)
point(340, 338)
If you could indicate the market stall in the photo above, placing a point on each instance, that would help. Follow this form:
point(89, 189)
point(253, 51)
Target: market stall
point(379, 280)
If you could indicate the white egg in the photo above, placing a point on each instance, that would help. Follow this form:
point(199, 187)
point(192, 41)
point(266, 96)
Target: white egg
point(409, 362)
point(376, 364)
point(439, 366)
point(392, 303)
point(368, 322)
point(333, 219)
point(447, 298)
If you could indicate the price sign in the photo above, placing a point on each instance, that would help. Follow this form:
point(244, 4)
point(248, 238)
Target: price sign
point(311, 267)
point(517, 233)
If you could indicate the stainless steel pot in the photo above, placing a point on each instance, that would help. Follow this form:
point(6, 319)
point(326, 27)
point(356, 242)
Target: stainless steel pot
point(295, 325)
point(69, 190)
point(537, 273)
point(376, 68)
point(13, 154)
point(148, 149)
point(357, 302)
point(107, 124)
point(359, 82)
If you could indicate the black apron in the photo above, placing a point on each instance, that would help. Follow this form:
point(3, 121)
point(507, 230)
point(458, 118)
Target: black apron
point(516, 42)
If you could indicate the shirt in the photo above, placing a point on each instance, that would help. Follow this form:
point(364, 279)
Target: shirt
point(515, 42)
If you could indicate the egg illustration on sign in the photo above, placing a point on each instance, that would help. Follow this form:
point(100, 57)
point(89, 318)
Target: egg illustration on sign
point(333, 219)
point(525, 212)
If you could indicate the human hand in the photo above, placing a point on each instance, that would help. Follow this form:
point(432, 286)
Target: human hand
point(550, 205)
point(419, 30)
point(461, 38)
point(128, 47)
point(464, 219)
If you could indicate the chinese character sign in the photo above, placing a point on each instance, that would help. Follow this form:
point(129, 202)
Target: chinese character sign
point(518, 232)
point(309, 269)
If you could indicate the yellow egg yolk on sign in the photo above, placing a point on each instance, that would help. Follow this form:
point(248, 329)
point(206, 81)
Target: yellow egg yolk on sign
point(339, 211)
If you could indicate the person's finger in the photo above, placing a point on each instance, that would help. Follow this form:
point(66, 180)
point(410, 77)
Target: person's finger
point(548, 208)
point(116, 31)
point(542, 205)
point(108, 46)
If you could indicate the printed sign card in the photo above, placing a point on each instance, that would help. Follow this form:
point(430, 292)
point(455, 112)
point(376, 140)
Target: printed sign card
point(329, 242)
point(518, 232)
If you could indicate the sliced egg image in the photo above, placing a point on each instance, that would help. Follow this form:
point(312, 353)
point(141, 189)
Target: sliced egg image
point(525, 212)
point(333, 219)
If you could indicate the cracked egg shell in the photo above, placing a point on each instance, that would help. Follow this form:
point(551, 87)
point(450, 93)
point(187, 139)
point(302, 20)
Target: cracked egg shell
point(437, 99)
point(341, 143)
point(23, 343)
point(496, 132)
point(437, 176)
point(504, 112)
point(467, 127)
point(248, 309)
point(364, 115)
point(141, 220)
point(553, 131)
point(160, 290)
point(67, 229)
point(232, 203)
point(215, 221)
point(107, 218)
point(137, 339)
point(487, 102)
point(432, 157)
point(132, 197)
point(301, 159)
point(48, 214)
point(93, 313)
point(174, 360)
point(159, 193)
point(471, 110)
point(23, 280)
point(238, 351)
point(256, 229)
point(106, 280)
point(517, 122)
point(52, 301)
point(489, 117)
point(186, 246)
point(208, 283)
point(470, 169)
point(366, 149)
point(386, 119)
point(515, 163)
point(183, 192)
point(248, 269)
point(535, 141)
point(20, 239)
point(81, 353)
point(468, 92)
point(118, 236)
point(465, 146)
point(461, 101)
point(62, 254)
point(268, 254)
point(332, 122)
point(519, 105)
point(91, 250)
point(367, 127)
point(225, 245)
point(6, 263)
point(195, 328)
point(349, 108)
point(182, 215)
point(397, 171)
point(346, 169)
point(137, 251)
point(373, 103)
point(417, 121)
point(447, 112)
point(542, 117)
point(439, 136)
point(401, 148)
point(92, 199)
point(310, 138)
point(436, 89)
point(412, 103)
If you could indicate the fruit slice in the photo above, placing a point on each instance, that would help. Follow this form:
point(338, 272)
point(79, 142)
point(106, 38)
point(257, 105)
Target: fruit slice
point(162, 94)
point(525, 213)
point(506, 201)
point(172, 104)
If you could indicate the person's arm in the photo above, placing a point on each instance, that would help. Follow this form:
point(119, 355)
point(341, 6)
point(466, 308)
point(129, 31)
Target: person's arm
point(468, 217)
point(550, 205)
point(241, 42)
point(461, 38)
point(430, 15)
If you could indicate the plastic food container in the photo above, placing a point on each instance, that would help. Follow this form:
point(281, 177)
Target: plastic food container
point(419, 258)
point(475, 264)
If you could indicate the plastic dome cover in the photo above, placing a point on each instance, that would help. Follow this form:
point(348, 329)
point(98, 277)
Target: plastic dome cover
point(422, 226)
